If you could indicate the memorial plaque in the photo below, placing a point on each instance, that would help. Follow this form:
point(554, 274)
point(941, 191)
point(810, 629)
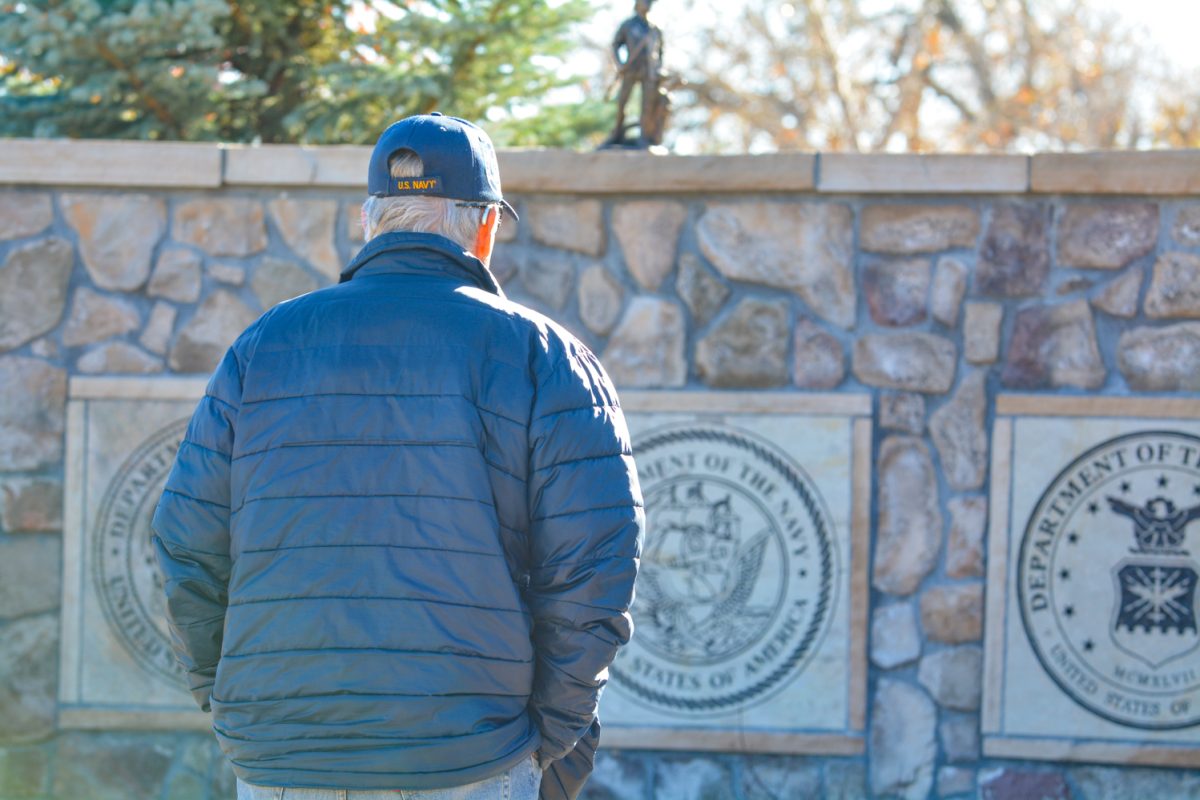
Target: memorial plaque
point(1093, 650)
point(750, 609)
point(117, 667)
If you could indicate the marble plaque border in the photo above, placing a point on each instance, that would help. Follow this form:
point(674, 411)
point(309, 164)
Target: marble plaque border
point(73, 712)
point(858, 409)
point(994, 743)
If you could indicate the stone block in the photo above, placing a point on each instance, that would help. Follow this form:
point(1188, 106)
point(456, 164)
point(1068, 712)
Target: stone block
point(185, 785)
point(30, 574)
point(1014, 259)
point(845, 780)
point(818, 360)
point(227, 273)
point(28, 679)
point(221, 226)
point(504, 263)
point(1054, 346)
point(896, 291)
point(922, 173)
point(1127, 783)
point(906, 229)
point(508, 228)
point(1011, 783)
point(352, 214)
point(96, 162)
point(1119, 297)
point(1165, 359)
point(960, 737)
point(964, 549)
point(24, 214)
point(1117, 172)
point(953, 614)
point(1174, 287)
point(117, 235)
point(1070, 284)
point(903, 745)
point(307, 227)
point(949, 286)
point(955, 782)
point(156, 336)
point(275, 280)
point(910, 522)
point(1106, 235)
point(895, 640)
point(112, 766)
point(95, 317)
point(33, 398)
point(902, 411)
point(45, 348)
point(981, 332)
point(196, 753)
point(600, 299)
point(568, 224)
point(917, 362)
point(339, 166)
point(806, 248)
point(118, 358)
point(30, 504)
point(700, 778)
point(33, 290)
point(647, 347)
point(770, 777)
point(203, 341)
point(954, 677)
point(24, 772)
point(958, 433)
point(618, 775)
point(224, 781)
point(626, 172)
point(648, 232)
point(548, 276)
point(1186, 230)
point(176, 276)
point(748, 348)
point(701, 292)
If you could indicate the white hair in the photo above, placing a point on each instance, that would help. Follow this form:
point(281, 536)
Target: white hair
point(420, 213)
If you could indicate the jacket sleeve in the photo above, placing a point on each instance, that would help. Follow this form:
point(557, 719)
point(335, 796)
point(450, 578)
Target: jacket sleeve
point(191, 531)
point(586, 524)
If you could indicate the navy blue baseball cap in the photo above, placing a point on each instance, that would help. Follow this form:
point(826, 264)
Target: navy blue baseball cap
point(459, 160)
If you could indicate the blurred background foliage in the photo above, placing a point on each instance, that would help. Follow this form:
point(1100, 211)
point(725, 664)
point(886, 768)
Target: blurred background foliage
point(315, 71)
point(758, 75)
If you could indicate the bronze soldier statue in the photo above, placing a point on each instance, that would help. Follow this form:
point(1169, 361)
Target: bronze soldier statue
point(641, 65)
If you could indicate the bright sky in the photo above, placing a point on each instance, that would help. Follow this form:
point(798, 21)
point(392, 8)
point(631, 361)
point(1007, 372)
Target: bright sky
point(1172, 25)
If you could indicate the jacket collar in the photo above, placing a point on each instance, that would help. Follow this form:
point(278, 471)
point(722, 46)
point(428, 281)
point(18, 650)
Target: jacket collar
point(408, 253)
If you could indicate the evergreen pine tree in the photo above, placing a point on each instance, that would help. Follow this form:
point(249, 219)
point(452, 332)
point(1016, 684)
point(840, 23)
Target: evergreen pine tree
point(273, 71)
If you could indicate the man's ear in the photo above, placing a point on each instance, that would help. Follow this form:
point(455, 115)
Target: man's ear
point(485, 239)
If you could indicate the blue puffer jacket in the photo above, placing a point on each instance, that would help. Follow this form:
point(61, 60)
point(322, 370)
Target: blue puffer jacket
point(401, 533)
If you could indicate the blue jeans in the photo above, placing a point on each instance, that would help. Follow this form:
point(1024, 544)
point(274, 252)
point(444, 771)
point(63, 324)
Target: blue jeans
point(521, 782)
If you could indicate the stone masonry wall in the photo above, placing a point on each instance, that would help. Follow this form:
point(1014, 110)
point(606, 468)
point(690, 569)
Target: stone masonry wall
point(932, 284)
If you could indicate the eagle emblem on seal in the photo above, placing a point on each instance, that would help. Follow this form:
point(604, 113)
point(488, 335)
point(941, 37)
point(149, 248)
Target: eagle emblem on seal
point(699, 575)
point(1154, 618)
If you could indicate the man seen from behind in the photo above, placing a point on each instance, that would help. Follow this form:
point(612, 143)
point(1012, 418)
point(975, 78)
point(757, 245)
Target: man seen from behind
point(400, 537)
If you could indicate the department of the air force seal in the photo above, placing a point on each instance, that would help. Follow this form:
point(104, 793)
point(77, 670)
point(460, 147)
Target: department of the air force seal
point(737, 584)
point(1107, 580)
point(124, 568)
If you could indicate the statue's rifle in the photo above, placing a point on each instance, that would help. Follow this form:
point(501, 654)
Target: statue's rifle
point(623, 67)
